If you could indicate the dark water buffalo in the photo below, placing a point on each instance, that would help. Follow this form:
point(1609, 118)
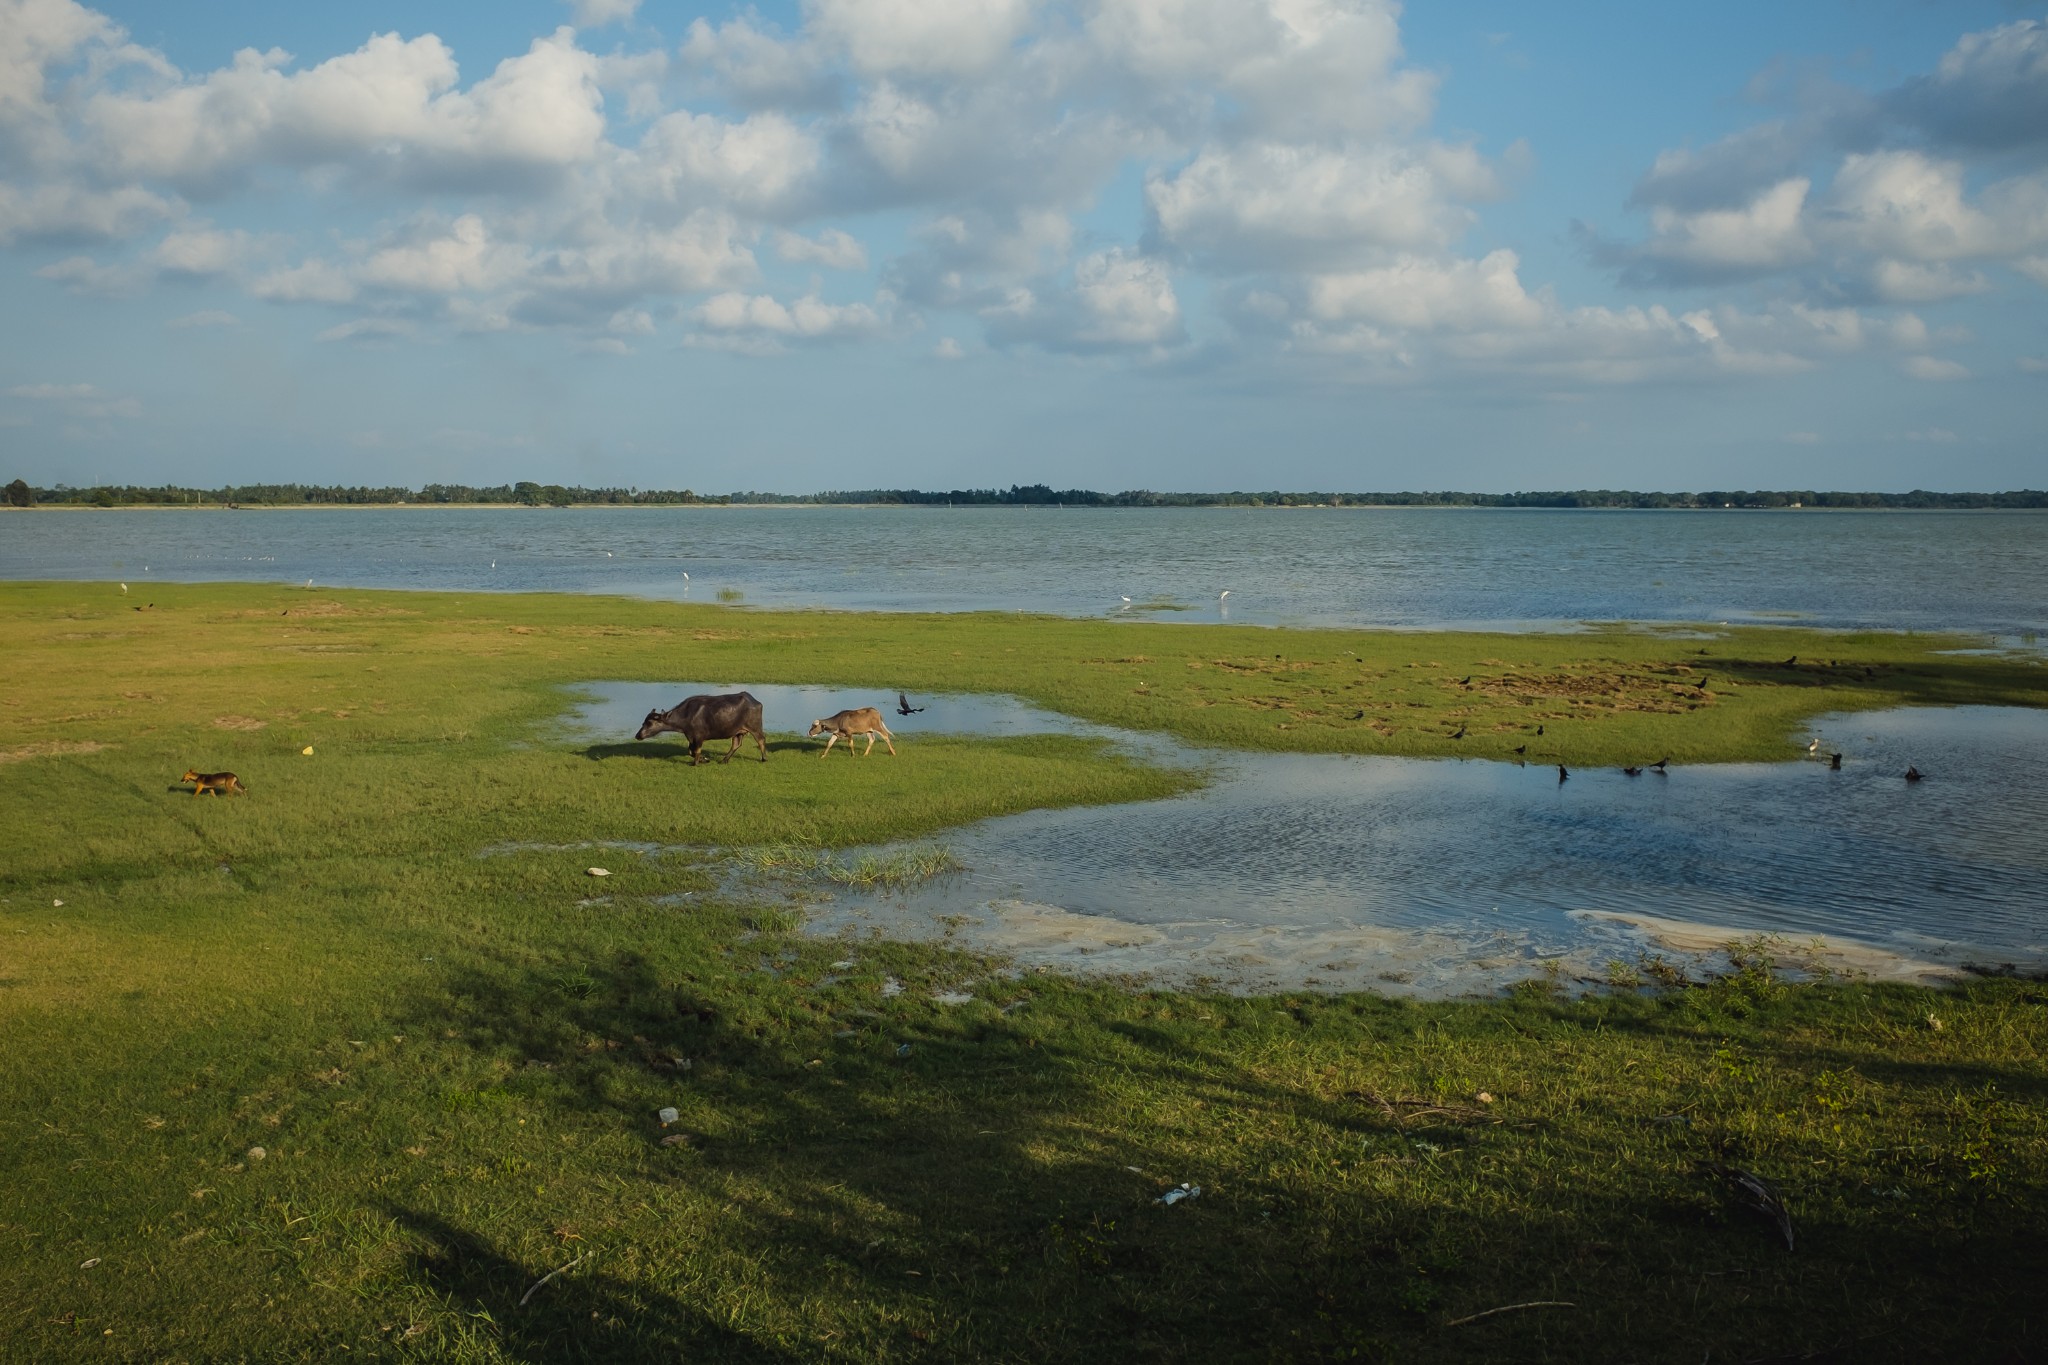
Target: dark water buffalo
point(702, 719)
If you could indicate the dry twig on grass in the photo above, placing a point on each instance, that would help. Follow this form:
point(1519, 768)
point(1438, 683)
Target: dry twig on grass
point(1511, 1308)
point(549, 1276)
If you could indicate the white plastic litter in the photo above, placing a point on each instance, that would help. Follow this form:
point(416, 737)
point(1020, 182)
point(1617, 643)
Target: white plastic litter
point(597, 872)
point(667, 1116)
point(1178, 1193)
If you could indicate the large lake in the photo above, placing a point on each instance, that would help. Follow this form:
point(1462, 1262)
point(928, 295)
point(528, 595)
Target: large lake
point(1322, 871)
point(1406, 568)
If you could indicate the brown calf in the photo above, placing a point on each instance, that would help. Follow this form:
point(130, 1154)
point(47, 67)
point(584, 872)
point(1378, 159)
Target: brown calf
point(865, 721)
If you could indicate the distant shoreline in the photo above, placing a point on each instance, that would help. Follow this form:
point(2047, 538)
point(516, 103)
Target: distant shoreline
point(797, 506)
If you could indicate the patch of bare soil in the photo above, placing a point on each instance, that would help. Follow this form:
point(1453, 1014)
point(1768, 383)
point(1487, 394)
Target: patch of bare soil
point(49, 748)
point(238, 723)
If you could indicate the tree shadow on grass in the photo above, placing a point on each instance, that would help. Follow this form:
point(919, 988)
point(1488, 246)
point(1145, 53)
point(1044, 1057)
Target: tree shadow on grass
point(914, 1182)
point(583, 1313)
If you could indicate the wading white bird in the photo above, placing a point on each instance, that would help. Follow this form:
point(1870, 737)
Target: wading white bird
point(1221, 595)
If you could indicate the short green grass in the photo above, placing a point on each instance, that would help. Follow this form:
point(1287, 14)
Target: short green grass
point(388, 969)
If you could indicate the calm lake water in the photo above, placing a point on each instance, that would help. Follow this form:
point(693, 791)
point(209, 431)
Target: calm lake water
point(1443, 875)
point(1408, 568)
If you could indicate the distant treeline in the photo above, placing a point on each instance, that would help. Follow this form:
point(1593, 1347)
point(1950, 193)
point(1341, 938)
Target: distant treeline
point(20, 494)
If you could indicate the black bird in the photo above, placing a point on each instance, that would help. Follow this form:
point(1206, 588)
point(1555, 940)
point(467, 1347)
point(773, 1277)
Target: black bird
point(1790, 662)
point(1631, 772)
point(1521, 748)
point(1539, 730)
point(1835, 762)
point(1465, 681)
point(1460, 734)
point(1701, 685)
point(1658, 766)
point(1913, 774)
point(1562, 773)
point(903, 706)
point(1358, 715)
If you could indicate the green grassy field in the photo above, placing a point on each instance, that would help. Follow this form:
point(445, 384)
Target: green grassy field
point(386, 970)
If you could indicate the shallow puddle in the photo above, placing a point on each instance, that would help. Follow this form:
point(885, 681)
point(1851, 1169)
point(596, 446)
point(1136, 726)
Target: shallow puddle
point(1440, 875)
point(614, 710)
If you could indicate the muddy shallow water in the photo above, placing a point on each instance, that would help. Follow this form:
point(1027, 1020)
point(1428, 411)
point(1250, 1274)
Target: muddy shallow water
point(1444, 875)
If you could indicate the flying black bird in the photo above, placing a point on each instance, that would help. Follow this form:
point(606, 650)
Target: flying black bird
point(1755, 1193)
point(1562, 773)
point(1835, 762)
point(1658, 766)
point(903, 706)
point(1913, 774)
point(1521, 748)
point(1631, 772)
point(1460, 734)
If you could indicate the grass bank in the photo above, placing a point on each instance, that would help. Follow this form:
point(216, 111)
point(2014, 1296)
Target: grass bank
point(304, 1074)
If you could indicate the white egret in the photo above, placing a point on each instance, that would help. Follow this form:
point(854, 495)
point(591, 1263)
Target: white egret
point(124, 587)
point(1225, 593)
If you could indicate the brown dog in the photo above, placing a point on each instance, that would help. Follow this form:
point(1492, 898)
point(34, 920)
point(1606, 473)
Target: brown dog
point(220, 784)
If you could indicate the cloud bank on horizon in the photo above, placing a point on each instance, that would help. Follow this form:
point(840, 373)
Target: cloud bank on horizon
point(1255, 207)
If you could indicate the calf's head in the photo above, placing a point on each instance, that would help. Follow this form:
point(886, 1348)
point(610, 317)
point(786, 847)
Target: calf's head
point(817, 728)
point(651, 726)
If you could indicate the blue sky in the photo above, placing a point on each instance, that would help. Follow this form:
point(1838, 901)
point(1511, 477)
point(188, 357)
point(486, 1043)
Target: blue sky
point(1176, 244)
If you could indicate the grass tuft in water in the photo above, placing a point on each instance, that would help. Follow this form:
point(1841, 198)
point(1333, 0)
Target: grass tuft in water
point(900, 867)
